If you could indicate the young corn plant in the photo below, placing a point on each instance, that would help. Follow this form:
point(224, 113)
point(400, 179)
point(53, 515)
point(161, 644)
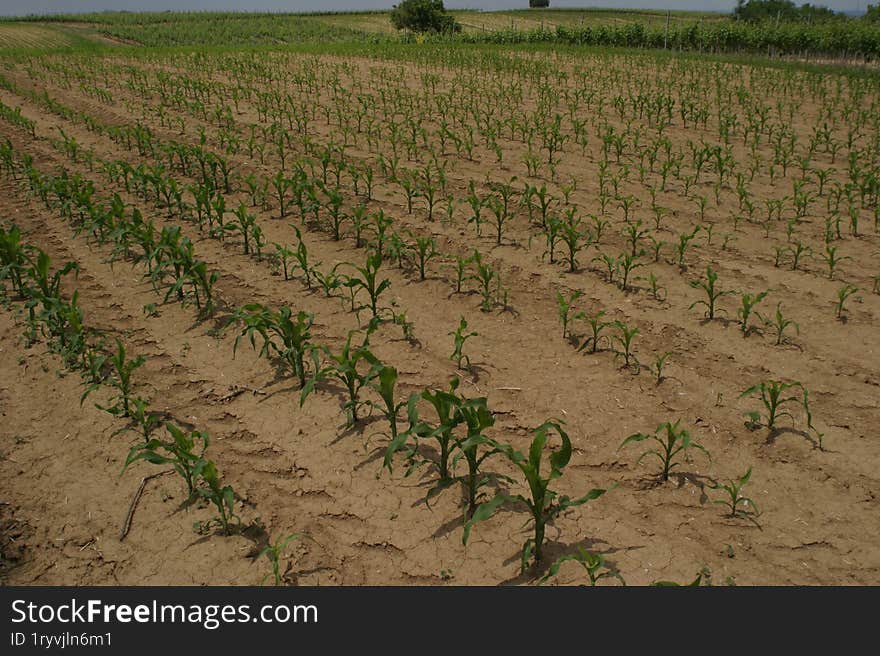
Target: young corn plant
point(301, 257)
point(842, 295)
point(461, 273)
point(407, 328)
point(501, 217)
point(565, 314)
point(625, 338)
point(474, 447)
point(592, 563)
point(574, 238)
point(180, 452)
point(748, 303)
point(658, 365)
point(488, 281)
point(543, 503)
point(144, 420)
point(331, 280)
point(282, 333)
point(15, 260)
point(832, 259)
point(597, 325)
point(245, 224)
point(387, 380)
point(626, 264)
point(369, 281)
point(477, 203)
point(445, 404)
point(735, 501)
point(672, 440)
point(684, 241)
point(282, 256)
point(780, 324)
point(460, 337)
point(120, 379)
point(658, 291)
point(713, 293)
point(274, 553)
point(425, 250)
point(222, 496)
point(774, 395)
point(347, 368)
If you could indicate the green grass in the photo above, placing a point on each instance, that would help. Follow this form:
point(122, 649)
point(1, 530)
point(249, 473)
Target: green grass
point(27, 36)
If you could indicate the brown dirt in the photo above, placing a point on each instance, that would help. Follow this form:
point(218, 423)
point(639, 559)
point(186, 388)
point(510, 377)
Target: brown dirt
point(296, 470)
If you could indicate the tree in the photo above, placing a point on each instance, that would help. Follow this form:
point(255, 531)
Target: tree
point(539, 3)
point(423, 16)
point(781, 10)
point(872, 14)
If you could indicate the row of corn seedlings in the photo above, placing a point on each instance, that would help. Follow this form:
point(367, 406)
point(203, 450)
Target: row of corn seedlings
point(27, 271)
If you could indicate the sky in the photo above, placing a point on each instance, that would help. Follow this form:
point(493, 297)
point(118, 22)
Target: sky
point(23, 7)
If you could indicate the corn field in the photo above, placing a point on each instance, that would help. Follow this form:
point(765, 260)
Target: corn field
point(657, 275)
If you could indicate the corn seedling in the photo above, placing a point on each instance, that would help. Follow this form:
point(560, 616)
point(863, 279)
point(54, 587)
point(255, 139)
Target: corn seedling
point(797, 251)
point(274, 553)
point(543, 504)
point(14, 259)
point(369, 281)
point(474, 447)
point(282, 333)
point(842, 295)
point(407, 327)
point(780, 324)
point(425, 250)
point(610, 264)
point(625, 338)
point(143, 419)
point(446, 405)
point(735, 501)
point(658, 365)
point(330, 281)
point(832, 259)
point(485, 277)
point(179, 452)
point(593, 564)
point(596, 327)
point(772, 394)
point(120, 379)
point(626, 264)
point(683, 241)
point(748, 303)
point(387, 380)
point(346, 367)
point(301, 256)
point(460, 337)
point(461, 269)
point(477, 203)
point(283, 256)
point(710, 288)
point(656, 248)
point(564, 305)
point(574, 238)
point(223, 497)
point(672, 440)
point(657, 290)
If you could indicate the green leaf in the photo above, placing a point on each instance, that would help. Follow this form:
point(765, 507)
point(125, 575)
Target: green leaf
point(483, 512)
